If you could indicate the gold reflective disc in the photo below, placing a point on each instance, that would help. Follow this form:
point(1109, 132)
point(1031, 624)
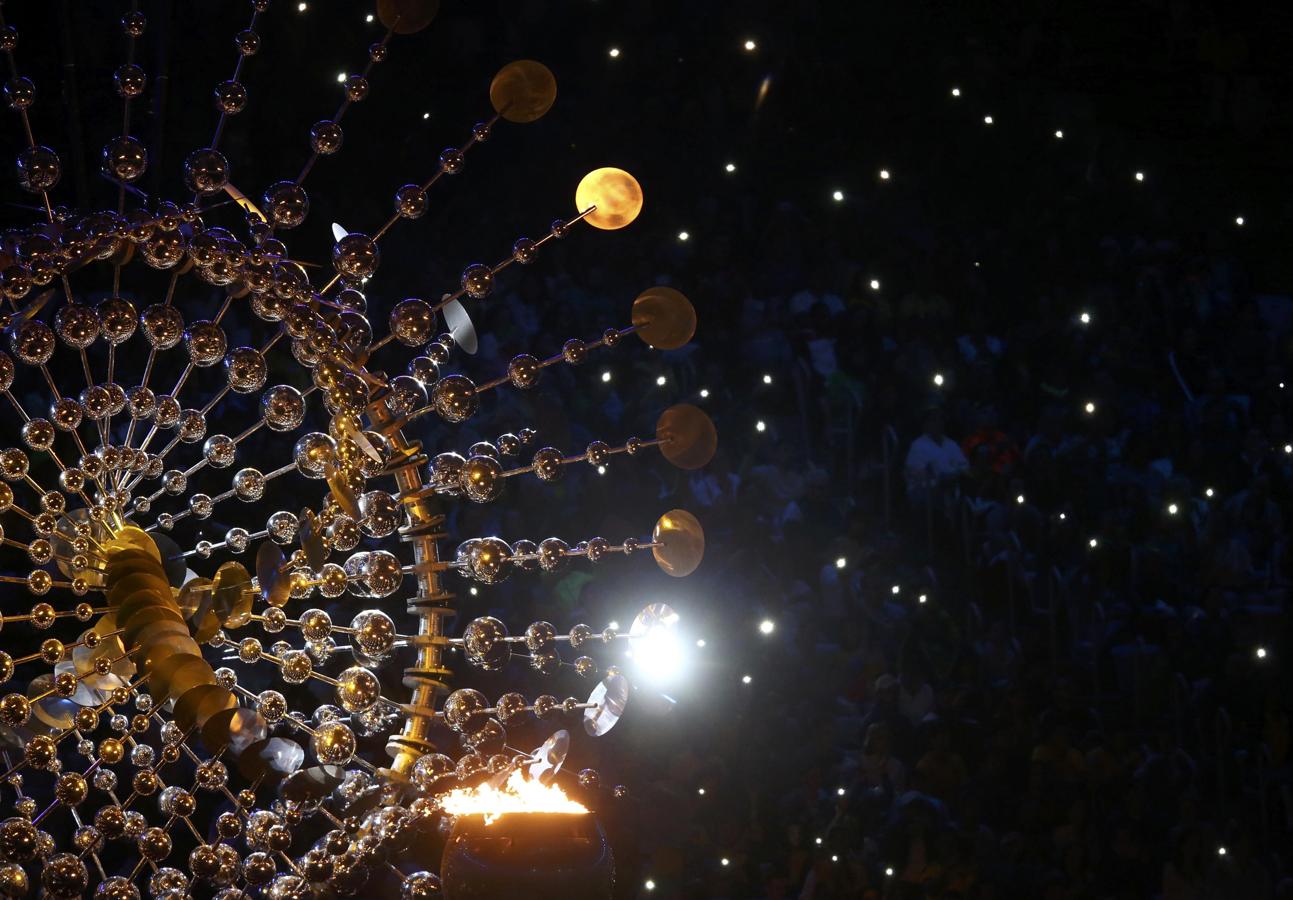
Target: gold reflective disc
point(683, 543)
point(275, 585)
point(523, 91)
point(407, 16)
point(616, 194)
point(664, 318)
point(690, 439)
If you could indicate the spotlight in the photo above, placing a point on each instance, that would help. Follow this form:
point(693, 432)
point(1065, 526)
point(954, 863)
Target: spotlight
point(956, 92)
point(884, 174)
point(837, 196)
point(368, 18)
point(657, 651)
point(840, 792)
point(1085, 318)
point(660, 380)
point(700, 642)
point(746, 679)
point(1020, 499)
point(730, 167)
point(767, 379)
point(938, 379)
point(1172, 509)
point(760, 426)
point(841, 562)
point(751, 45)
point(614, 54)
point(649, 884)
point(1208, 492)
point(704, 392)
point(724, 861)
point(302, 7)
point(895, 589)
point(1090, 408)
point(767, 626)
point(1239, 220)
point(1261, 652)
point(700, 791)
point(987, 120)
point(683, 236)
point(1093, 543)
point(341, 76)
point(606, 376)
point(1059, 135)
point(921, 599)
point(1140, 176)
point(875, 284)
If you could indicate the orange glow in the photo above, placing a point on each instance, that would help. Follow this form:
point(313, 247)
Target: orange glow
point(517, 795)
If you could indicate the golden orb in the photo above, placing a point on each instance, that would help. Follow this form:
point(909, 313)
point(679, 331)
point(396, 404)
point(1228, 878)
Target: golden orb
point(616, 194)
point(523, 91)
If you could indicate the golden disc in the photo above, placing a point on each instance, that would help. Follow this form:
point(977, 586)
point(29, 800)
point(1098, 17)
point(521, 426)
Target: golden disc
point(275, 584)
point(195, 592)
point(690, 439)
point(682, 540)
point(160, 663)
point(316, 552)
point(341, 491)
point(192, 702)
point(664, 318)
point(616, 194)
point(407, 16)
point(523, 91)
point(232, 593)
point(186, 676)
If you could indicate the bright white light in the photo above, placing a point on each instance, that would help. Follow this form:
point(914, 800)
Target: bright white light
point(1288, 448)
point(888, 872)
point(302, 7)
point(818, 841)
point(767, 379)
point(341, 76)
point(834, 858)
point(1172, 509)
point(895, 589)
point(1020, 499)
point(884, 174)
point(658, 653)
point(368, 18)
point(840, 791)
point(1090, 408)
point(683, 236)
point(1261, 652)
point(1059, 135)
point(613, 625)
point(649, 884)
point(700, 791)
point(700, 642)
point(1208, 492)
point(767, 626)
point(704, 392)
point(841, 562)
point(730, 167)
point(1085, 318)
point(1063, 516)
point(426, 115)
point(956, 92)
point(1239, 220)
point(1221, 851)
point(746, 679)
point(474, 592)
point(724, 861)
point(875, 284)
point(601, 470)
point(660, 380)
point(760, 426)
point(837, 196)
point(938, 379)
point(606, 376)
point(750, 45)
point(615, 52)
point(1140, 176)
point(921, 599)
point(987, 120)
point(1094, 542)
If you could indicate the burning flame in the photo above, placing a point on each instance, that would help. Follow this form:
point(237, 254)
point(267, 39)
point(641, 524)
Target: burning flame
point(517, 795)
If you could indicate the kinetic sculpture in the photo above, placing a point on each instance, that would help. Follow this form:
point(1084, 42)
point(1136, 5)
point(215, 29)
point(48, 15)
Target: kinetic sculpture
point(137, 757)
